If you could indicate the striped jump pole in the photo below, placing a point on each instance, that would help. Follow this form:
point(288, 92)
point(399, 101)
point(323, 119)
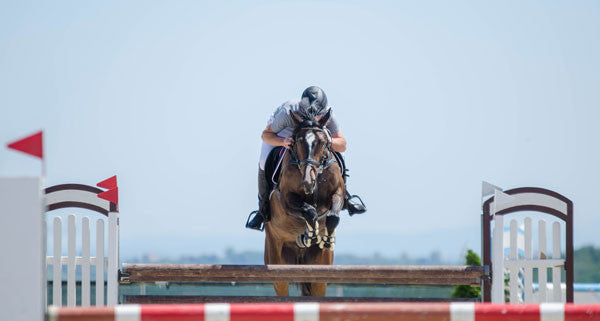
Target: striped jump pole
point(330, 312)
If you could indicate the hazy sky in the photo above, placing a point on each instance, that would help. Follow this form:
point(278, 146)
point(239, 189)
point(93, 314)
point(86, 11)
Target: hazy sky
point(432, 96)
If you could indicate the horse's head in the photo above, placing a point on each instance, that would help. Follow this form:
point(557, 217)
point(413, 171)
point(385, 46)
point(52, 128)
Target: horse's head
point(311, 143)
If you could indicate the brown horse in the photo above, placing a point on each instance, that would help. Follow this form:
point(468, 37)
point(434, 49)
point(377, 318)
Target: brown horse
point(306, 203)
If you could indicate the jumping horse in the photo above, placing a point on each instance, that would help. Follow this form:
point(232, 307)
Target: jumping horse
point(306, 203)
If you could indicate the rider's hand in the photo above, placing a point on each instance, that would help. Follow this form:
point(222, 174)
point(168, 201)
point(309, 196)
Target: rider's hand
point(288, 142)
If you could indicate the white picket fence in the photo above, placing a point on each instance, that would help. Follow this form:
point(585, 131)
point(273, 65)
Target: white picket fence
point(524, 266)
point(72, 195)
point(520, 267)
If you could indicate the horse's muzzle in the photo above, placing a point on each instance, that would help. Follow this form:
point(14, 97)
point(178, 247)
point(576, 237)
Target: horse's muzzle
point(308, 187)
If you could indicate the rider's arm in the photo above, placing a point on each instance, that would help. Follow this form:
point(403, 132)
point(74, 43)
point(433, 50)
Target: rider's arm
point(270, 137)
point(338, 142)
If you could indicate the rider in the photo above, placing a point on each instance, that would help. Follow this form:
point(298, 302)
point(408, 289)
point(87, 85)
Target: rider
point(278, 133)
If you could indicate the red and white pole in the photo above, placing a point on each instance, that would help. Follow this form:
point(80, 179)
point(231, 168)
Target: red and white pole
point(331, 312)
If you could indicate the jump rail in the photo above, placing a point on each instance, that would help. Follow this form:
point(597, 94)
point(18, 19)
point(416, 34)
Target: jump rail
point(331, 311)
point(185, 299)
point(422, 275)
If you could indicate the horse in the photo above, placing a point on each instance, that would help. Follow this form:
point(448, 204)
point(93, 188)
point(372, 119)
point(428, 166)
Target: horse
point(306, 203)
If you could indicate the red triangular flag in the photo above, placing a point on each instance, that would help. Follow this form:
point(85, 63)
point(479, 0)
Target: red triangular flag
point(108, 183)
point(110, 195)
point(31, 145)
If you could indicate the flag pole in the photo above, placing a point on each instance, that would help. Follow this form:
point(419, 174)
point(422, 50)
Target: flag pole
point(43, 162)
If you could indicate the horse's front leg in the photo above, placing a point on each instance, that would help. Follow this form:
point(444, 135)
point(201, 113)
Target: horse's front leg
point(296, 206)
point(332, 220)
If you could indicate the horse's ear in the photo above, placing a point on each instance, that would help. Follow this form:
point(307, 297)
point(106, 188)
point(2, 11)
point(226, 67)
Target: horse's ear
point(323, 121)
point(296, 119)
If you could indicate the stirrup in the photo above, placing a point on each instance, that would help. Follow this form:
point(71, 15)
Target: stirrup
point(253, 215)
point(361, 202)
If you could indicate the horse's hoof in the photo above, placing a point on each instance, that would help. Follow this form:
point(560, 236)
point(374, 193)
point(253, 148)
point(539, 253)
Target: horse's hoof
point(303, 242)
point(327, 242)
point(299, 243)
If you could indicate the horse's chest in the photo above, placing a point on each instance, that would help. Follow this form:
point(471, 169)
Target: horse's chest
point(319, 197)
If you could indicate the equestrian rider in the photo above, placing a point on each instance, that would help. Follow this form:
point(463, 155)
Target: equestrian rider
point(278, 133)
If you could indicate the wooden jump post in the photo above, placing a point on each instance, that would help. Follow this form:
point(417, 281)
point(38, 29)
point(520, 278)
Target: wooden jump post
point(418, 275)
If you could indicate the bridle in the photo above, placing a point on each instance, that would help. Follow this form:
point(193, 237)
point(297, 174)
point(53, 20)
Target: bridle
point(326, 160)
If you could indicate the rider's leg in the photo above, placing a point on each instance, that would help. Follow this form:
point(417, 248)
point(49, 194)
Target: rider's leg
point(257, 222)
point(352, 203)
point(260, 216)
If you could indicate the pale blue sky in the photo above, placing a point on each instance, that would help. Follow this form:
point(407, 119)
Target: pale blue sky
point(433, 97)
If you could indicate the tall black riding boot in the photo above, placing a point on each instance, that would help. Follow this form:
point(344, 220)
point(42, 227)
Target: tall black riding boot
point(262, 214)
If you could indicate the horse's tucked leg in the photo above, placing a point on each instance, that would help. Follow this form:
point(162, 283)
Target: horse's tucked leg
point(296, 206)
point(310, 214)
point(332, 221)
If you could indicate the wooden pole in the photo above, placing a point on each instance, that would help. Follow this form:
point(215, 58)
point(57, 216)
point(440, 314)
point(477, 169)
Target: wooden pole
point(469, 275)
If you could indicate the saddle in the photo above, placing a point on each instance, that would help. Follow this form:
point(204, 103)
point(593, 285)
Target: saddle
point(273, 165)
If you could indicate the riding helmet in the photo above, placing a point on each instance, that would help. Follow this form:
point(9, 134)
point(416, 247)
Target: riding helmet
point(313, 101)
